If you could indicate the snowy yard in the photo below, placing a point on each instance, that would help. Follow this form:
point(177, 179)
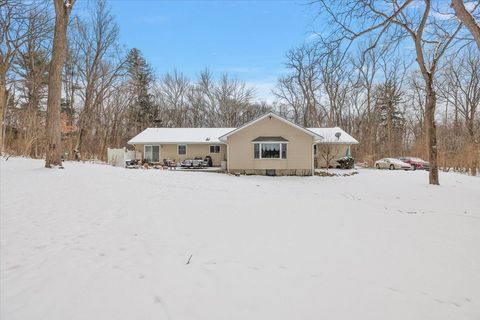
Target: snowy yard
point(98, 242)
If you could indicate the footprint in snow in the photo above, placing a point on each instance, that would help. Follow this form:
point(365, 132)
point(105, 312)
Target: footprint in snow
point(13, 267)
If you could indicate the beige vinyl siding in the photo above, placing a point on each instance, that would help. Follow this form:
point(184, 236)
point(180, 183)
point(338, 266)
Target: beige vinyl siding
point(169, 151)
point(299, 147)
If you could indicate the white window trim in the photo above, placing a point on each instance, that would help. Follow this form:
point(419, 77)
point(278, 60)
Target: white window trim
point(186, 149)
point(215, 145)
point(269, 142)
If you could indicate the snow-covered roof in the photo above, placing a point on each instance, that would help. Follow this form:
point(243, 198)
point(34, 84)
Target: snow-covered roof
point(274, 115)
point(212, 135)
point(334, 135)
point(179, 135)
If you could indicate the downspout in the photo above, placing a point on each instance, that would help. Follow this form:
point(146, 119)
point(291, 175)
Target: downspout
point(228, 157)
point(313, 158)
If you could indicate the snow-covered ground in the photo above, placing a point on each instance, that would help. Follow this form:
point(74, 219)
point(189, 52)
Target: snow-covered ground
point(98, 242)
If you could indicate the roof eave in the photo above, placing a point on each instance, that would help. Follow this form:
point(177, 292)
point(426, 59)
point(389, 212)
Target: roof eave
point(305, 130)
point(175, 142)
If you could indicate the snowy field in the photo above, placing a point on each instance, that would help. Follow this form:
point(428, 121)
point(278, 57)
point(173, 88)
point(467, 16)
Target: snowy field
point(98, 242)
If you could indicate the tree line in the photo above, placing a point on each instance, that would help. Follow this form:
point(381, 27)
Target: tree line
point(108, 93)
point(403, 80)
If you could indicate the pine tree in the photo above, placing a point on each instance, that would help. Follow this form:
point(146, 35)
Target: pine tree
point(391, 120)
point(143, 111)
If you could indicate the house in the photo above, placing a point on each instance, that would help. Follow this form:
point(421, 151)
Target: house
point(269, 144)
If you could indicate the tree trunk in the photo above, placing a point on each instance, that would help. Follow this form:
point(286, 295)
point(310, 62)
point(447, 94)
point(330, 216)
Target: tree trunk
point(31, 125)
point(53, 134)
point(431, 131)
point(467, 19)
point(3, 106)
point(474, 144)
point(473, 170)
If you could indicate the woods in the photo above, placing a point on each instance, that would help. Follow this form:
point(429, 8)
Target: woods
point(401, 76)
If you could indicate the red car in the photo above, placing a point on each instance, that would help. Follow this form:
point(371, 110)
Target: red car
point(416, 163)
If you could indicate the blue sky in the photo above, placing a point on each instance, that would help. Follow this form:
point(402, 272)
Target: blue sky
point(246, 38)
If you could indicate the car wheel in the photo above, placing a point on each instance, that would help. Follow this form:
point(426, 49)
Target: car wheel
point(392, 167)
point(378, 166)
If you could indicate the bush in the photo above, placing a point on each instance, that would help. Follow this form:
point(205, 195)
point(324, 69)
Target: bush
point(345, 163)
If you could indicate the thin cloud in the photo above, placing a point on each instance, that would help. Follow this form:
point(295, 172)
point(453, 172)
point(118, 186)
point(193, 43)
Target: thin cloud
point(312, 36)
point(263, 89)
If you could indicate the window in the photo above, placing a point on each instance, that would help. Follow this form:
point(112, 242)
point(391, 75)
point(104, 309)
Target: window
point(152, 154)
point(284, 151)
point(270, 150)
point(314, 149)
point(214, 149)
point(182, 149)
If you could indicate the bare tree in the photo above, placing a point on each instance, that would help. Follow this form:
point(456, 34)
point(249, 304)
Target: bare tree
point(99, 65)
point(328, 152)
point(291, 99)
point(467, 19)
point(427, 28)
point(460, 88)
point(14, 31)
point(63, 9)
point(31, 69)
point(300, 89)
point(172, 98)
point(334, 69)
point(366, 67)
point(233, 98)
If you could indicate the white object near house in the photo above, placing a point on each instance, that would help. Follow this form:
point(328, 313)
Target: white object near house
point(118, 157)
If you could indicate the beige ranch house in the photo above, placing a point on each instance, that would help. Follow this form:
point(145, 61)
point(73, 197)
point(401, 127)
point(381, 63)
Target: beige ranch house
point(269, 144)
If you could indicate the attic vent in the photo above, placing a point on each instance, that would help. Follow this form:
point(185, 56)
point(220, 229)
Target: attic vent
point(338, 134)
point(207, 139)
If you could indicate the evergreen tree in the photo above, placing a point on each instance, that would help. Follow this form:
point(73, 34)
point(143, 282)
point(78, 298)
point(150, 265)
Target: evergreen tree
point(391, 119)
point(143, 111)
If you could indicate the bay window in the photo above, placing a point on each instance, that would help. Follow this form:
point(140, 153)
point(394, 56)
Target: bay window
point(270, 150)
